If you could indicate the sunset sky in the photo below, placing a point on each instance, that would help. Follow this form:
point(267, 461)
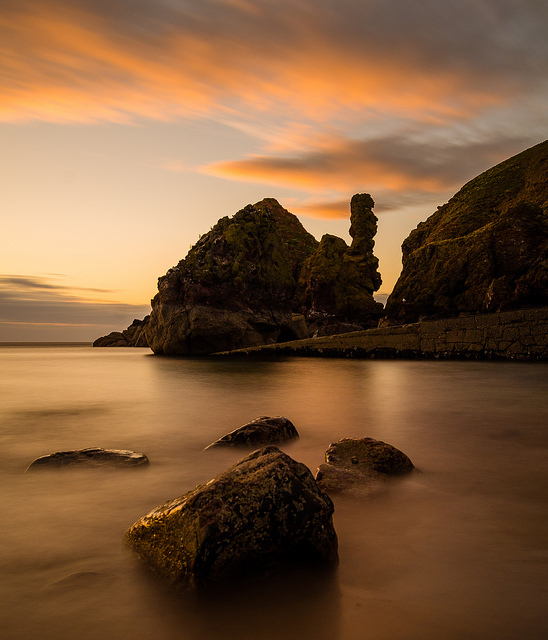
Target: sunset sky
point(129, 127)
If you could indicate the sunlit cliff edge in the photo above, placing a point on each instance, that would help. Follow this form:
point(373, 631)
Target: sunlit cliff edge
point(260, 279)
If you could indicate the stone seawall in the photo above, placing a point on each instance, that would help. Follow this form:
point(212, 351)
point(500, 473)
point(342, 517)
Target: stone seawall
point(520, 335)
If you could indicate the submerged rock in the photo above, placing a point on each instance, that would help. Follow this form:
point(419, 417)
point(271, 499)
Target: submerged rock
point(91, 457)
point(264, 511)
point(360, 463)
point(486, 250)
point(260, 431)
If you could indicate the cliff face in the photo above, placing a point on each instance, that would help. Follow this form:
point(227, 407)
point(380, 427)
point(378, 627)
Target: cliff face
point(485, 250)
point(242, 283)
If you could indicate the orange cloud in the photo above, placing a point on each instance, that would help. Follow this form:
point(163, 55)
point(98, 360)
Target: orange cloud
point(403, 164)
point(83, 61)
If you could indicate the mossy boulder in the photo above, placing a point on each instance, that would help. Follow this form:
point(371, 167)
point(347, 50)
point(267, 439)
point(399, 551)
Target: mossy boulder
point(260, 431)
point(263, 512)
point(486, 250)
point(361, 464)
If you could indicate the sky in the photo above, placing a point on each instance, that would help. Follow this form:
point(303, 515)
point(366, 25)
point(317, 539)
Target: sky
point(129, 127)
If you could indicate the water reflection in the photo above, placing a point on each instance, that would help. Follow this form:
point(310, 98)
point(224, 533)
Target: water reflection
point(457, 551)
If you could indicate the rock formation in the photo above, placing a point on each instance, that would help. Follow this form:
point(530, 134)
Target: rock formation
point(133, 336)
point(262, 512)
point(361, 464)
point(259, 278)
point(235, 287)
point(260, 431)
point(485, 250)
point(91, 457)
point(336, 284)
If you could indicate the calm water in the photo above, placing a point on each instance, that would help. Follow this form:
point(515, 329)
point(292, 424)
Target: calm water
point(458, 551)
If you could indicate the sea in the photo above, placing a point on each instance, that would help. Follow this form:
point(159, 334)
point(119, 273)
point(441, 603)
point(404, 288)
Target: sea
point(457, 550)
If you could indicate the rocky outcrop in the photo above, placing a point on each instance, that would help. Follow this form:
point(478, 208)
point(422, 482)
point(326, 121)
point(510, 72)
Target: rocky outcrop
point(361, 464)
point(235, 287)
point(91, 457)
point(255, 277)
point(133, 336)
point(260, 431)
point(336, 284)
point(261, 513)
point(486, 250)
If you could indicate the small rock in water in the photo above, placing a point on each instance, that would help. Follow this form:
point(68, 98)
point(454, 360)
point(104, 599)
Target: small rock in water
point(263, 512)
point(362, 464)
point(260, 431)
point(91, 457)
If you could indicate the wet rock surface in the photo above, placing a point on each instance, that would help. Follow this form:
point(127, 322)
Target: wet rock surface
point(260, 431)
point(361, 464)
point(261, 513)
point(91, 457)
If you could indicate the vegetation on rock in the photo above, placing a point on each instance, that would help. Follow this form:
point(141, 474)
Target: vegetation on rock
point(485, 250)
point(257, 277)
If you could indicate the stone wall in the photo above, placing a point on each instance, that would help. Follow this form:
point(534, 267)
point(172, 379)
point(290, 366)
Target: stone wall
point(521, 335)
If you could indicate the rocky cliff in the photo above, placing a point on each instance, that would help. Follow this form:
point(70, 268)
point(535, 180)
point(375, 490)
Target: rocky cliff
point(486, 250)
point(336, 284)
point(258, 277)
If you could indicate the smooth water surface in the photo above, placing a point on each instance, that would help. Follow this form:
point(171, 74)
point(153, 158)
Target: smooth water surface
point(458, 550)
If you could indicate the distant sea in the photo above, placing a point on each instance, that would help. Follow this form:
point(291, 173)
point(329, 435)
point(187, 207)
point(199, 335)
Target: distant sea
point(458, 550)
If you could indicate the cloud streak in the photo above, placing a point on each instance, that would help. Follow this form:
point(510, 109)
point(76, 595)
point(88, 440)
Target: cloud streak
point(394, 164)
point(39, 302)
point(87, 61)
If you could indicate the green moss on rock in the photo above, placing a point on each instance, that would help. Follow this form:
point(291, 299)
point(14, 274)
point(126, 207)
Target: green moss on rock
point(482, 251)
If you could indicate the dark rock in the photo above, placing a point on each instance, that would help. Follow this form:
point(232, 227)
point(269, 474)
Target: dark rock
point(336, 284)
point(486, 250)
point(259, 278)
point(260, 431)
point(235, 287)
point(261, 513)
point(133, 336)
point(92, 457)
point(361, 464)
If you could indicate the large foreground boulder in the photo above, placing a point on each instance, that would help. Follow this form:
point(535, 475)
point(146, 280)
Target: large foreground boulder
point(361, 464)
point(260, 431)
point(90, 457)
point(262, 512)
point(486, 250)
